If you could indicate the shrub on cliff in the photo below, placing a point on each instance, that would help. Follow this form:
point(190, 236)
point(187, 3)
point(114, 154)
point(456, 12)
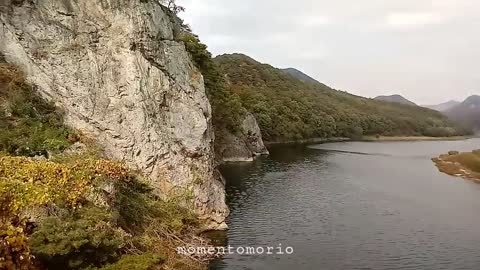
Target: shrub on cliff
point(145, 261)
point(227, 109)
point(78, 239)
point(27, 185)
point(69, 231)
point(33, 183)
point(29, 125)
point(14, 246)
point(74, 210)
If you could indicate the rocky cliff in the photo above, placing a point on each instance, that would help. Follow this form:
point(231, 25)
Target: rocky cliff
point(116, 70)
point(243, 146)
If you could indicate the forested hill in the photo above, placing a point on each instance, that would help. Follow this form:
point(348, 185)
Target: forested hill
point(289, 109)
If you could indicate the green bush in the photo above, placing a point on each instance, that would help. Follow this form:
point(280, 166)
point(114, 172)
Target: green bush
point(29, 125)
point(132, 205)
point(440, 132)
point(146, 261)
point(138, 209)
point(82, 238)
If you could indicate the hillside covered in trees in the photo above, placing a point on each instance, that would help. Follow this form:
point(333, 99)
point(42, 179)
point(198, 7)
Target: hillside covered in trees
point(289, 109)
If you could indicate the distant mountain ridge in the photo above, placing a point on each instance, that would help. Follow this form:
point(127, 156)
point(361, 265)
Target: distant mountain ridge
point(467, 113)
point(396, 99)
point(443, 106)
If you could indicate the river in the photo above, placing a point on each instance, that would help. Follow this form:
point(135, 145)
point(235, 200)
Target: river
point(353, 205)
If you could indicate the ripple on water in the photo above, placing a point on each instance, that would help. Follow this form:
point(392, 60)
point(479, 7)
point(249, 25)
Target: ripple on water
point(343, 210)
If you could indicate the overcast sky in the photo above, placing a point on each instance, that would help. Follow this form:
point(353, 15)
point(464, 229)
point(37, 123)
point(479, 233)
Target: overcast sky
point(425, 50)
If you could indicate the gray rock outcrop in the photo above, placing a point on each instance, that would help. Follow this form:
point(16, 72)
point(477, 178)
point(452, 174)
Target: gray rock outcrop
point(241, 147)
point(116, 70)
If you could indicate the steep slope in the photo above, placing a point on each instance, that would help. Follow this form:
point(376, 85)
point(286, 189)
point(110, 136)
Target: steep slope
point(467, 113)
point(237, 135)
point(289, 109)
point(65, 206)
point(396, 99)
point(119, 73)
point(443, 106)
point(300, 75)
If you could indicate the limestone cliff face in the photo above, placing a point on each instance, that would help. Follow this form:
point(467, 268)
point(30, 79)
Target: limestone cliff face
point(244, 146)
point(116, 70)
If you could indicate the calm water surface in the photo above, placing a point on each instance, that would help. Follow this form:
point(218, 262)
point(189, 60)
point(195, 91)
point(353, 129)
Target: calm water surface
point(354, 205)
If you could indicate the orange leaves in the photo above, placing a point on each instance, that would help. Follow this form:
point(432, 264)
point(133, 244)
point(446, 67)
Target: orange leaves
point(14, 248)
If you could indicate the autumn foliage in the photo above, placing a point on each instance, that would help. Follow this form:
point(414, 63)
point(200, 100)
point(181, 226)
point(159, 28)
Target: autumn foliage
point(14, 248)
point(28, 184)
point(32, 183)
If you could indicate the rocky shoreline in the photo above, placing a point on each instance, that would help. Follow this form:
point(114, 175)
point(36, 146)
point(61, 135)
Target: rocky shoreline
point(458, 164)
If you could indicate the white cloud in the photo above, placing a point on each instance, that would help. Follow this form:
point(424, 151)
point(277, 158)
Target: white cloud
point(407, 20)
point(315, 21)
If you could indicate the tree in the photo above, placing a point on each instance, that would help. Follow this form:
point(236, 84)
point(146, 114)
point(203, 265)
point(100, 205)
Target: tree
point(172, 5)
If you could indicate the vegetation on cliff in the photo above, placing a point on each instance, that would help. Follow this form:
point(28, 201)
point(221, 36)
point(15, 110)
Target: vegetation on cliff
point(85, 212)
point(29, 125)
point(75, 209)
point(454, 163)
point(227, 108)
point(289, 109)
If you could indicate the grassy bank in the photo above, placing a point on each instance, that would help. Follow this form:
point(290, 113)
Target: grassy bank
point(466, 165)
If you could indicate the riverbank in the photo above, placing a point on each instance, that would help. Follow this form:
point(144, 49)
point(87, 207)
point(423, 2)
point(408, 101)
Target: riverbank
point(466, 165)
point(370, 139)
point(412, 138)
point(309, 141)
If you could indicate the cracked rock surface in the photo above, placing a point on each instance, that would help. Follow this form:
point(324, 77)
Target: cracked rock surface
point(115, 69)
point(241, 147)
